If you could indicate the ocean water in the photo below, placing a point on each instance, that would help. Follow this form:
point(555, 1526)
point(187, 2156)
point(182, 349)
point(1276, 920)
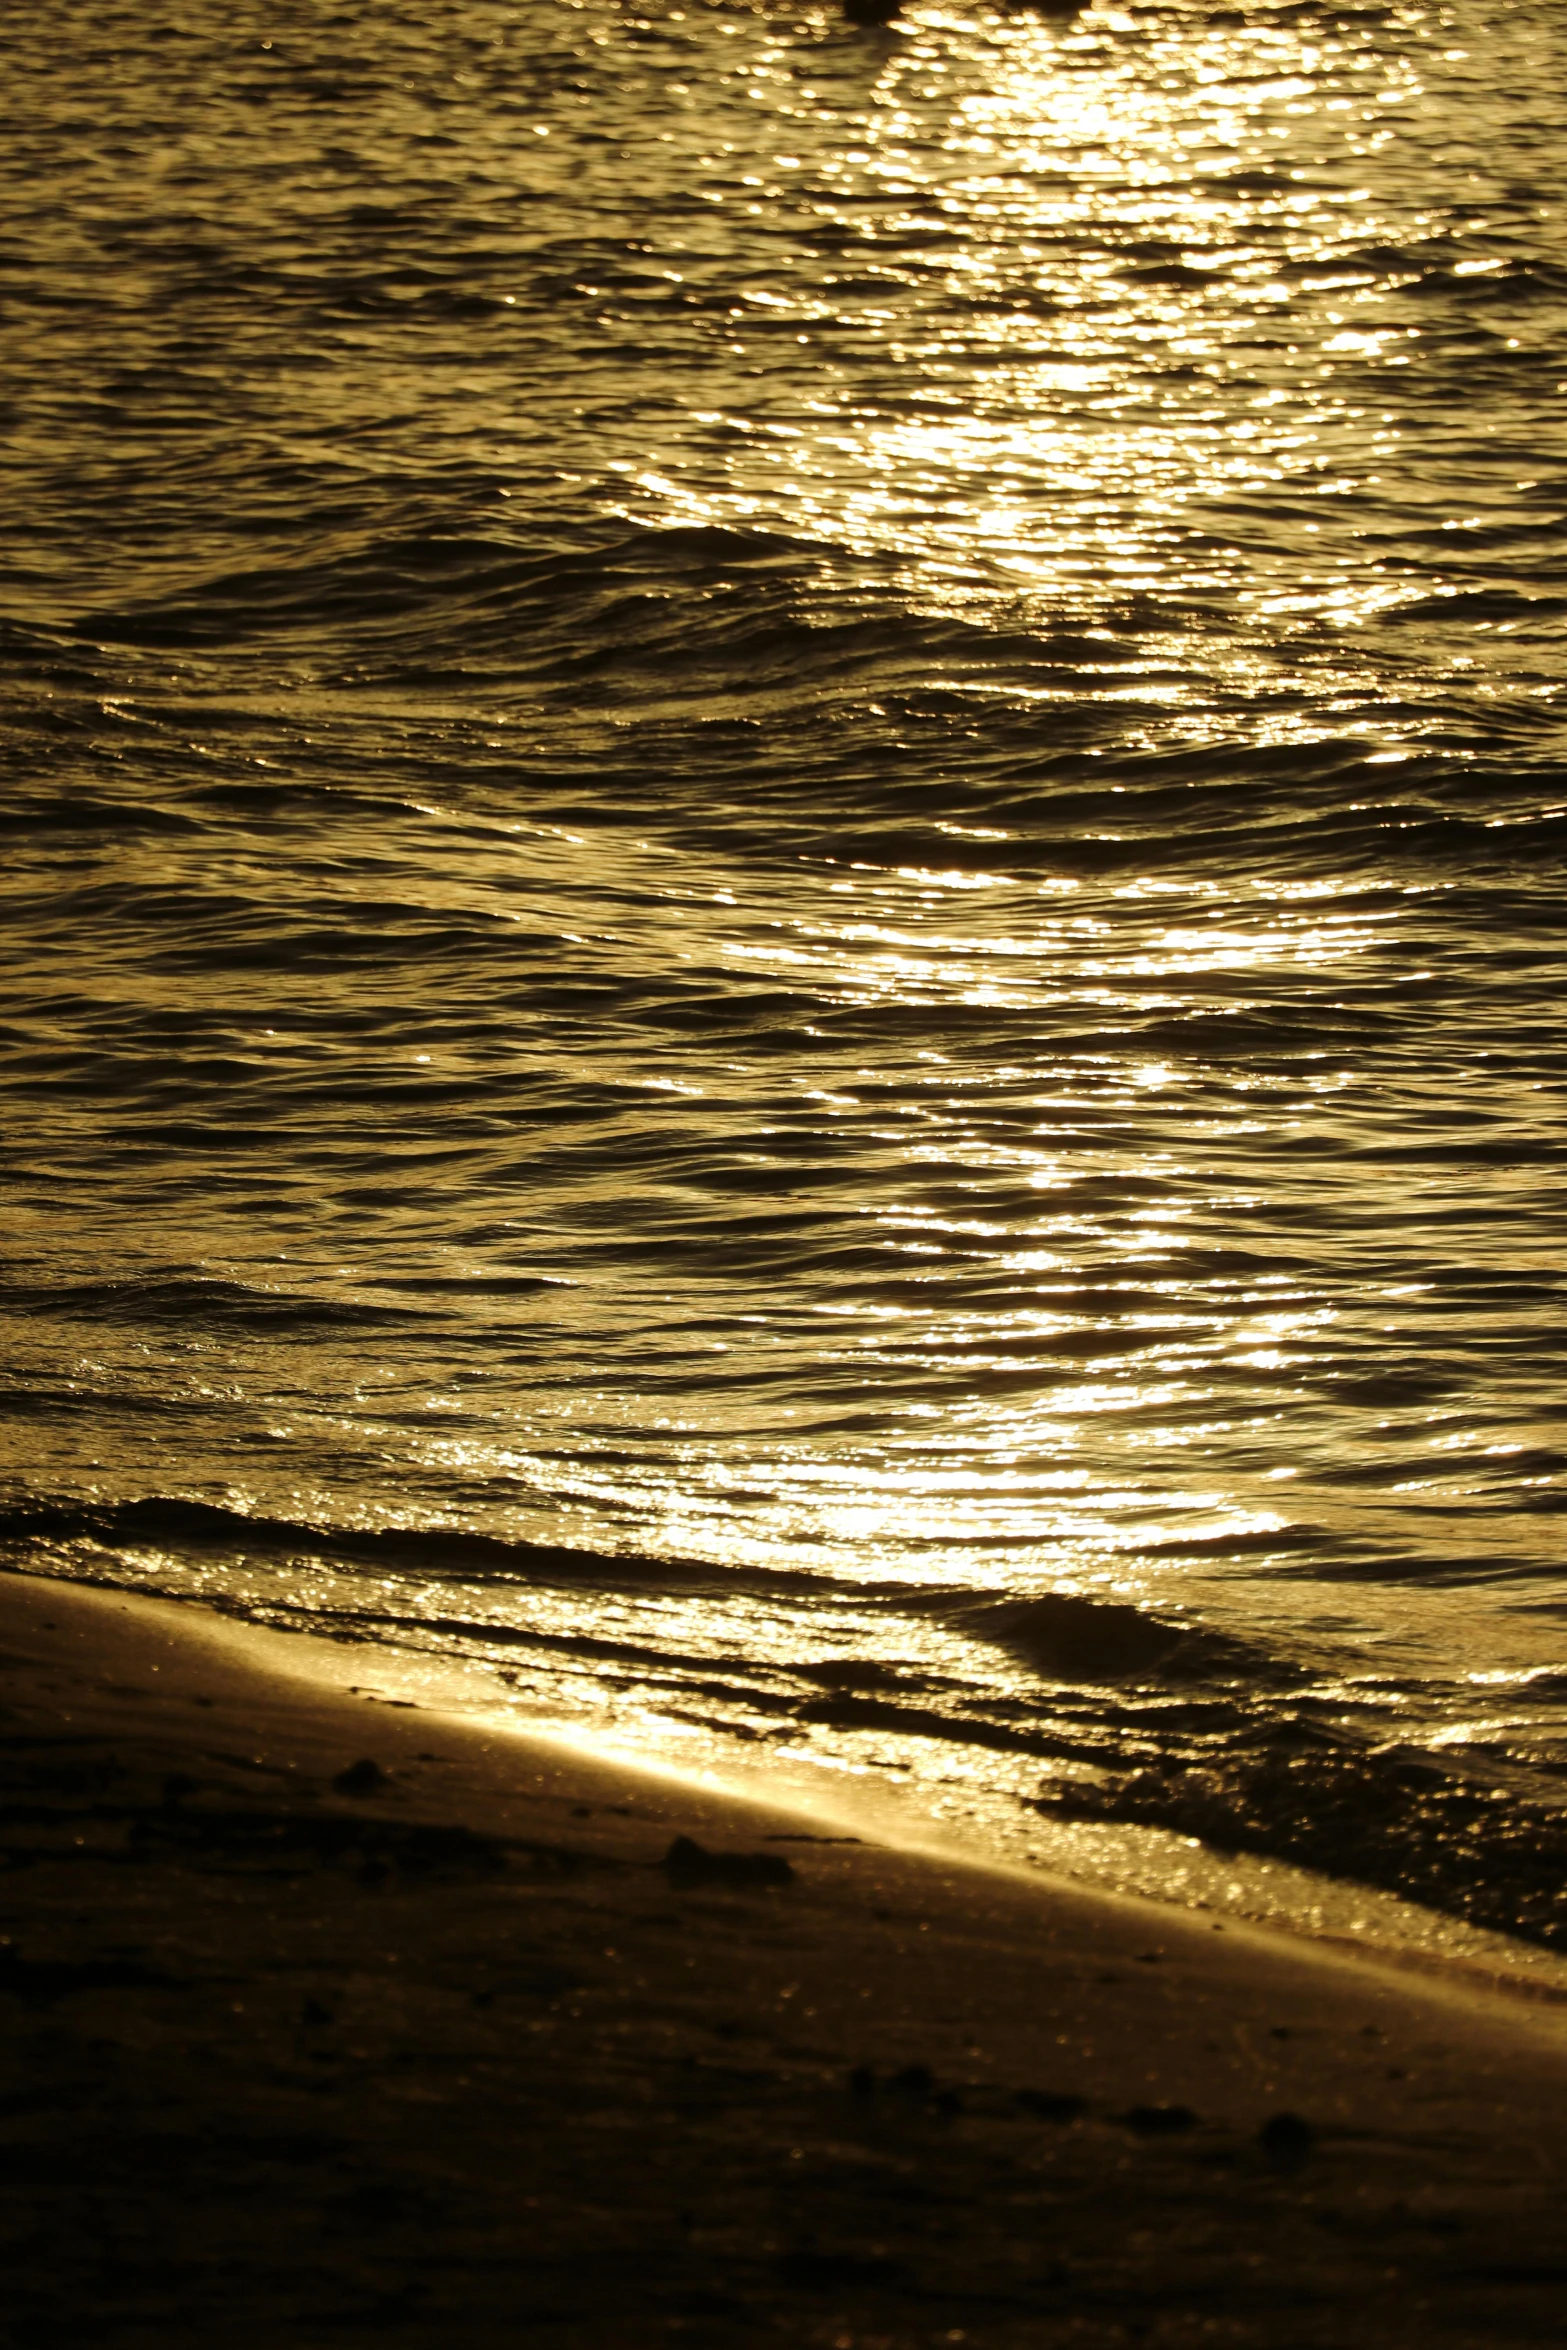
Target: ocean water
point(783, 890)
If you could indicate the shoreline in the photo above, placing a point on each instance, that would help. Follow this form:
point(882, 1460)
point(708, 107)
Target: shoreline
point(329, 2013)
point(1246, 1891)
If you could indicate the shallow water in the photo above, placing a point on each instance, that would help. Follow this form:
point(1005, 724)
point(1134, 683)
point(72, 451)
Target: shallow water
point(784, 885)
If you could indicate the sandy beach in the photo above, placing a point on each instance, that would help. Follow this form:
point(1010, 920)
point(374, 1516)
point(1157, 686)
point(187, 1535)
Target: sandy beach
point(330, 2019)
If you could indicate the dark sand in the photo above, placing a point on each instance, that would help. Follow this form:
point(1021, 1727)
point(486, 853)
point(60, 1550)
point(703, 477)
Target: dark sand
point(455, 2060)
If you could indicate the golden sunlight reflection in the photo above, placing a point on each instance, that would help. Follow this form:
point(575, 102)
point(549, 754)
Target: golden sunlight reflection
point(1080, 1182)
point(782, 931)
point(1050, 355)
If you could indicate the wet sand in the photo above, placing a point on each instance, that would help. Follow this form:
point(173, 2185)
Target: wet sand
point(326, 2020)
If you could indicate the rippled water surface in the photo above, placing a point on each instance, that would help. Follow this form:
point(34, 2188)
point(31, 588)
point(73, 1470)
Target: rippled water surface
point(783, 883)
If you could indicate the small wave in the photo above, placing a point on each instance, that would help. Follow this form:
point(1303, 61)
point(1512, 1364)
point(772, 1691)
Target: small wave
point(410, 576)
point(849, 1711)
point(67, 813)
point(1470, 606)
point(594, 605)
point(178, 1522)
point(203, 1303)
point(1066, 1638)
